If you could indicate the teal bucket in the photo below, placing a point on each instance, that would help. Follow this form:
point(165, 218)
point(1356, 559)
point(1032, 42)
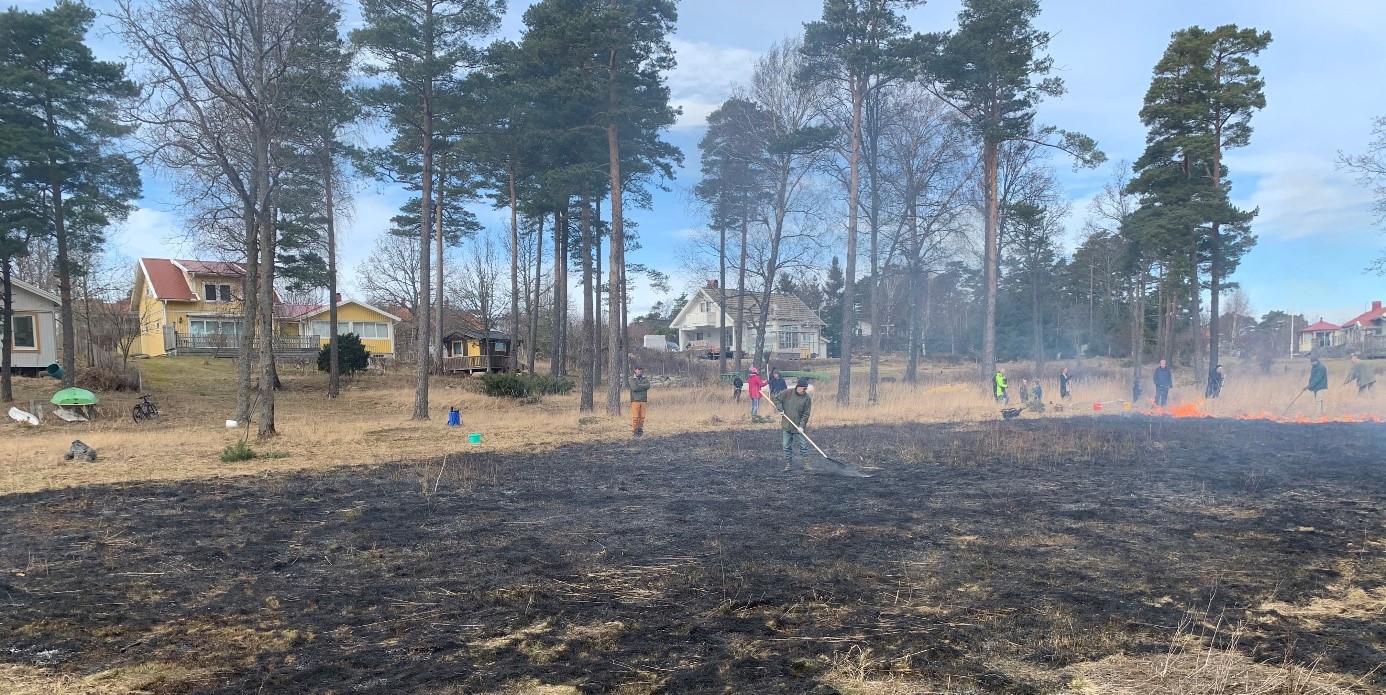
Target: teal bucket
point(474, 438)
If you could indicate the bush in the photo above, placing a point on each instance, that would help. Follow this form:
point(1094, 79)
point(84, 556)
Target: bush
point(237, 452)
point(524, 387)
point(351, 355)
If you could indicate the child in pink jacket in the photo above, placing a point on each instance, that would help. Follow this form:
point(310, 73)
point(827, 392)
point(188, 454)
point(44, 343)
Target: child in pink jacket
point(753, 390)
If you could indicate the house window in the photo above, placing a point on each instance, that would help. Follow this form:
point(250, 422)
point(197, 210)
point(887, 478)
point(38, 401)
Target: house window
point(213, 292)
point(367, 329)
point(323, 329)
point(698, 335)
point(707, 306)
point(213, 327)
point(789, 340)
point(501, 346)
point(23, 332)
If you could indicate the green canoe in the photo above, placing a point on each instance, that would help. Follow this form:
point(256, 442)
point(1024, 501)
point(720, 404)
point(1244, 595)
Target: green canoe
point(74, 396)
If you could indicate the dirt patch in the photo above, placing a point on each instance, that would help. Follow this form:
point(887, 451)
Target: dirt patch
point(1017, 557)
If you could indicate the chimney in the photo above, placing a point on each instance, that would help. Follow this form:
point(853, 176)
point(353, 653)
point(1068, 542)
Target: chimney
point(1376, 305)
point(713, 285)
point(337, 298)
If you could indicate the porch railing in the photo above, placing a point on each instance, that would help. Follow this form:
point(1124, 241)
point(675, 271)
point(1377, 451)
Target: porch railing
point(229, 344)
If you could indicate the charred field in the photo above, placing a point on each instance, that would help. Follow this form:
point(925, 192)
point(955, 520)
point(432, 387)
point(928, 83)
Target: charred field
point(1002, 557)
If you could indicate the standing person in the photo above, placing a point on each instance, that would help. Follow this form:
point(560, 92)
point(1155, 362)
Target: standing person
point(795, 407)
point(776, 383)
point(1024, 391)
point(1164, 381)
point(753, 387)
point(1318, 382)
point(639, 385)
point(1215, 383)
point(1039, 393)
point(736, 388)
point(1363, 374)
point(999, 384)
point(1135, 391)
point(1063, 384)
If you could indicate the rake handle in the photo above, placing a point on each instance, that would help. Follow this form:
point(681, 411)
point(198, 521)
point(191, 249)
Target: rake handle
point(804, 434)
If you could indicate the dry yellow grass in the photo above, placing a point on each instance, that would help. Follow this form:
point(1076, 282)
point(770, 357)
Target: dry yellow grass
point(370, 422)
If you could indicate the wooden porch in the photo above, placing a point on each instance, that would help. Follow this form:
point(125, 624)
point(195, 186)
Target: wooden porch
point(220, 345)
point(474, 364)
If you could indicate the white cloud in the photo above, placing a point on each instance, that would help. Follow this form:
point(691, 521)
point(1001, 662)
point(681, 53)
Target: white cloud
point(1301, 195)
point(148, 233)
point(705, 76)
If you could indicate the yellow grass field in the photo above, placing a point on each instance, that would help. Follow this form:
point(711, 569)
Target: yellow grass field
point(370, 423)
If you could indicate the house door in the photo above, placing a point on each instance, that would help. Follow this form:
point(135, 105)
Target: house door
point(170, 339)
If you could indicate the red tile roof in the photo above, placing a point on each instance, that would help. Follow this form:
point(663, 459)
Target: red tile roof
point(216, 268)
point(297, 311)
point(1322, 325)
point(1376, 313)
point(167, 280)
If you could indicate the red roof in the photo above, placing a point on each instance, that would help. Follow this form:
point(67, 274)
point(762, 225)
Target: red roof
point(167, 280)
point(1376, 313)
point(1319, 327)
point(216, 268)
point(297, 311)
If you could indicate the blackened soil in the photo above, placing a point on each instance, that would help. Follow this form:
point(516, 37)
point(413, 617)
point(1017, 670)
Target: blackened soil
point(690, 564)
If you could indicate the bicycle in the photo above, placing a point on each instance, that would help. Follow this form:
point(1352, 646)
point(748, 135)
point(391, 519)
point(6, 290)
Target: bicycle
point(144, 410)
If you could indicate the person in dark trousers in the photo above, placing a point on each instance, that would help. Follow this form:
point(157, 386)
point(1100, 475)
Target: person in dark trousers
point(999, 386)
point(795, 406)
point(1363, 374)
point(1038, 392)
point(1063, 384)
point(1164, 381)
point(1215, 383)
point(736, 388)
point(1318, 382)
point(639, 386)
point(776, 383)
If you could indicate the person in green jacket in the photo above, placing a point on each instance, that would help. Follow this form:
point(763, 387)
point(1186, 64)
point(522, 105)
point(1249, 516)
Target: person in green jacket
point(1363, 374)
point(1318, 381)
point(795, 405)
point(639, 385)
point(1000, 386)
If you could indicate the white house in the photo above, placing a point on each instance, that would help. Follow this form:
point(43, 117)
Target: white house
point(793, 331)
point(33, 328)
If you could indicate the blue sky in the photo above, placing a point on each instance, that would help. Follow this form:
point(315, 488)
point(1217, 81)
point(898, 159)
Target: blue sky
point(1322, 73)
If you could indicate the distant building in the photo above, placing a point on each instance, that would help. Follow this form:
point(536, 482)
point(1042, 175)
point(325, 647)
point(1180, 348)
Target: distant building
point(33, 328)
point(792, 331)
point(1364, 334)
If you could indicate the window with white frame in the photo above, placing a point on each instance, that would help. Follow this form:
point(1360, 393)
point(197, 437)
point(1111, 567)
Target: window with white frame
point(23, 332)
point(790, 340)
point(214, 327)
point(214, 292)
point(362, 329)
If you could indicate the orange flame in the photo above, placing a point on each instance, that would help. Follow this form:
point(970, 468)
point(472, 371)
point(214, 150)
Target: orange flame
point(1196, 410)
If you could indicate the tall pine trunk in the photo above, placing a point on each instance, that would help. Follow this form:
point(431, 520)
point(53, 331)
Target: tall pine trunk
point(538, 289)
point(425, 335)
point(6, 318)
point(991, 272)
point(615, 263)
point(849, 310)
point(514, 272)
point(589, 318)
point(334, 367)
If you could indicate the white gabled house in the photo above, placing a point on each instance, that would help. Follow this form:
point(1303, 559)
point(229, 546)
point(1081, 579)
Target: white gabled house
point(33, 328)
point(793, 330)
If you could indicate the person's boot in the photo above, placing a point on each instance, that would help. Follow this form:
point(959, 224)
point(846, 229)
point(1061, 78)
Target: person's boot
point(788, 465)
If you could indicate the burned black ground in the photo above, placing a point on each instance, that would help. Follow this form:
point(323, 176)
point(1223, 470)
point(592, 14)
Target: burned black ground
point(690, 564)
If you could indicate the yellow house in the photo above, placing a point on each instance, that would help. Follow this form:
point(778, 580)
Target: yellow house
point(195, 307)
point(374, 326)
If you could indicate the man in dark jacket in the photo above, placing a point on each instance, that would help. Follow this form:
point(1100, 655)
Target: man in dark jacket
point(1318, 382)
point(1164, 381)
point(1215, 383)
point(1363, 374)
point(776, 383)
point(1063, 384)
point(639, 385)
point(795, 406)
